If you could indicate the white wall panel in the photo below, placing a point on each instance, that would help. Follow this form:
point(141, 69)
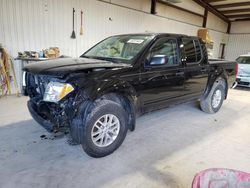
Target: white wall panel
point(191, 5)
point(39, 24)
point(123, 21)
point(238, 44)
point(240, 27)
point(218, 38)
point(173, 13)
point(36, 24)
point(239, 40)
point(214, 22)
point(143, 5)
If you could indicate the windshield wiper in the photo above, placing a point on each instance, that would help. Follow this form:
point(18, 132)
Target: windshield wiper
point(84, 56)
point(106, 59)
point(114, 60)
point(101, 58)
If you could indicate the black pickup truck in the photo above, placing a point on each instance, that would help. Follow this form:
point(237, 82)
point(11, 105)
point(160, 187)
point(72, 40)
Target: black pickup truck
point(98, 96)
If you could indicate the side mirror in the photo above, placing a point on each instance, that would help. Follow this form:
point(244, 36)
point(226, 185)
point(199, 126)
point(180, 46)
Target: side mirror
point(158, 60)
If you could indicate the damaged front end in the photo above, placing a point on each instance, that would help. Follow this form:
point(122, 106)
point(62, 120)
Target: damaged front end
point(51, 101)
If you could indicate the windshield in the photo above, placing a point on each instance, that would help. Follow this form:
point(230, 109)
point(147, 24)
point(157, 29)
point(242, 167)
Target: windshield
point(243, 60)
point(119, 48)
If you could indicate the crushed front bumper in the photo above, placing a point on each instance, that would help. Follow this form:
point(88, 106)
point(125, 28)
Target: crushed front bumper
point(38, 118)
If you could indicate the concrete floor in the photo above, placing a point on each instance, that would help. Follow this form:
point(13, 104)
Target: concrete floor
point(167, 148)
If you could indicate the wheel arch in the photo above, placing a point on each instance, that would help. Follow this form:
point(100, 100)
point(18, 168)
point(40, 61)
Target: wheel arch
point(118, 91)
point(126, 100)
point(216, 78)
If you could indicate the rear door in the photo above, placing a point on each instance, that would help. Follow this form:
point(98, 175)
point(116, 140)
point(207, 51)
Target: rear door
point(197, 68)
point(161, 83)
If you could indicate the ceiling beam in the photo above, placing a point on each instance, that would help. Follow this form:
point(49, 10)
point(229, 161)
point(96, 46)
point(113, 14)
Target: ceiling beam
point(213, 1)
point(238, 16)
point(179, 8)
point(153, 7)
point(243, 19)
point(229, 27)
point(232, 5)
point(211, 9)
point(235, 11)
point(204, 23)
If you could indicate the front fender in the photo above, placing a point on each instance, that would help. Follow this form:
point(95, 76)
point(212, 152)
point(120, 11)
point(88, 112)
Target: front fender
point(87, 95)
point(121, 91)
point(104, 87)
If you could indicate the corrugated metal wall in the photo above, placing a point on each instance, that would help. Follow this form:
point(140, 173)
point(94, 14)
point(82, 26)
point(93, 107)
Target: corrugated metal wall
point(238, 44)
point(36, 24)
point(39, 24)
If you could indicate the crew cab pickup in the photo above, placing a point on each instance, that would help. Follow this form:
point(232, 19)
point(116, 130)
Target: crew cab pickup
point(98, 96)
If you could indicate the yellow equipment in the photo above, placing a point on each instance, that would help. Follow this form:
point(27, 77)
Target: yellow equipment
point(6, 69)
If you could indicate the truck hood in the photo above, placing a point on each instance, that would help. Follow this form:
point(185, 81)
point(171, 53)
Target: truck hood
point(67, 65)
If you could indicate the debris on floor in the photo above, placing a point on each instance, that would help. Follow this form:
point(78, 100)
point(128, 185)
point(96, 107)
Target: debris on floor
point(54, 135)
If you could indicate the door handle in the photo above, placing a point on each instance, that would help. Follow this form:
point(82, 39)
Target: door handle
point(179, 73)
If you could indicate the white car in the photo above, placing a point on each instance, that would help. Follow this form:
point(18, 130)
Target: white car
point(243, 70)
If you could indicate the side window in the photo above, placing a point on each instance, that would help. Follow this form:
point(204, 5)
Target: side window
point(165, 47)
point(192, 50)
point(198, 50)
point(189, 50)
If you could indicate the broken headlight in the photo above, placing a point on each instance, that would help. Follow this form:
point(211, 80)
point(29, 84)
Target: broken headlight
point(55, 91)
point(24, 79)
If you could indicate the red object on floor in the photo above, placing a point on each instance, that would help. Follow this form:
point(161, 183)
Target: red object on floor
point(221, 178)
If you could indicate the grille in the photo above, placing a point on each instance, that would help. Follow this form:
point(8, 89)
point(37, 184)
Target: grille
point(36, 85)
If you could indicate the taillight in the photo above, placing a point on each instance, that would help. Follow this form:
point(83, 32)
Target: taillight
point(237, 69)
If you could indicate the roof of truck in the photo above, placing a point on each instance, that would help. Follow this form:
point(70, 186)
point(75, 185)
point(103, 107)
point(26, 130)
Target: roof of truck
point(157, 34)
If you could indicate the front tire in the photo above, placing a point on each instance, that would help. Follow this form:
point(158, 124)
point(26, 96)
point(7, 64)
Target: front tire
point(105, 129)
point(213, 102)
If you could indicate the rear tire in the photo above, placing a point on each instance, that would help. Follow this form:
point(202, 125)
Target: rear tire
point(213, 102)
point(105, 129)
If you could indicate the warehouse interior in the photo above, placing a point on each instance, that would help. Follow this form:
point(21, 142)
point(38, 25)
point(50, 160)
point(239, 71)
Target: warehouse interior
point(170, 146)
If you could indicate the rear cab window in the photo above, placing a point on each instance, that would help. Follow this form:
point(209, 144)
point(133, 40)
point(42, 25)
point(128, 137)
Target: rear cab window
point(192, 50)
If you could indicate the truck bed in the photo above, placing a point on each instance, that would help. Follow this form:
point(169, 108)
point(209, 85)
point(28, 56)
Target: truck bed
point(229, 66)
point(221, 62)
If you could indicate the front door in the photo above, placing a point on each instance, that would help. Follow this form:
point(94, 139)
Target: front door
point(164, 81)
